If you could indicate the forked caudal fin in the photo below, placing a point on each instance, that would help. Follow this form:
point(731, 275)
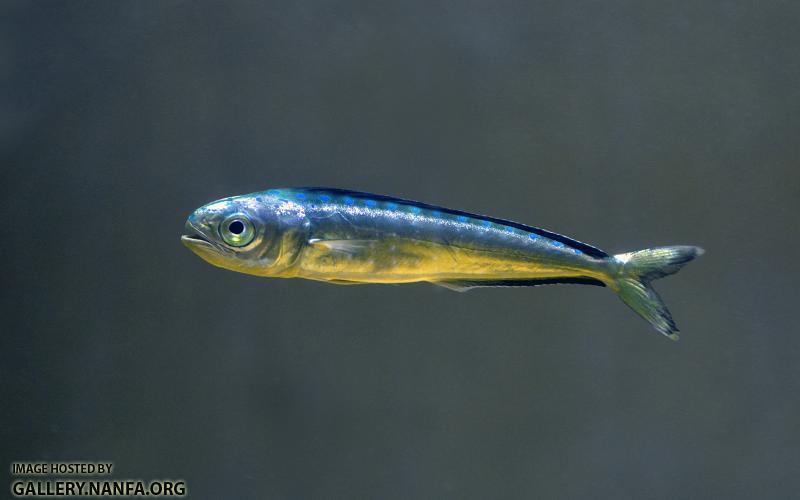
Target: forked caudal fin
point(631, 274)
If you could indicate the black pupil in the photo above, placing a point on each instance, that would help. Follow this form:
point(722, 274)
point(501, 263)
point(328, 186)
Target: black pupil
point(236, 227)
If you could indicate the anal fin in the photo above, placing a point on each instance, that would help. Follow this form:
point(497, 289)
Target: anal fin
point(466, 285)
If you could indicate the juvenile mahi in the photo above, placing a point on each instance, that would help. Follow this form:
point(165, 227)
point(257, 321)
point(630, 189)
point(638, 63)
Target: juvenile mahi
point(349, 237)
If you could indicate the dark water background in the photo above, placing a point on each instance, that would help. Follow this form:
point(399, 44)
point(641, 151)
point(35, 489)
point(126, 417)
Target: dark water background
point(621, 124)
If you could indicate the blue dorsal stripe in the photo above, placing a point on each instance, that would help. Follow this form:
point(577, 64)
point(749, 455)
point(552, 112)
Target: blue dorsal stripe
point(583, 247)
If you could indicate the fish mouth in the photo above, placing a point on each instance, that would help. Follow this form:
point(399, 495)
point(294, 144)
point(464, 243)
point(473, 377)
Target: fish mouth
point(197, 239)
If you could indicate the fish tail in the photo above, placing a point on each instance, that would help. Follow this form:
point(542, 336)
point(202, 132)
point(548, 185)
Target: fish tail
point(631, 274)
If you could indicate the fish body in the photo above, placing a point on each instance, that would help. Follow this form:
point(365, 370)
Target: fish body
point(349, 237)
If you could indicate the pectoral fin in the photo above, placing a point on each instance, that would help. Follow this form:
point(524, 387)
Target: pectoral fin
point(350, 247)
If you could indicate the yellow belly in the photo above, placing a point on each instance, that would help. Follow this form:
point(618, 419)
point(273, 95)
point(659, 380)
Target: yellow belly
point(405, 261)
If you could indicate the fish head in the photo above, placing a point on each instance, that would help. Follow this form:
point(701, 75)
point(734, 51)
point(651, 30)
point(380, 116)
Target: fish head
point(255, 234)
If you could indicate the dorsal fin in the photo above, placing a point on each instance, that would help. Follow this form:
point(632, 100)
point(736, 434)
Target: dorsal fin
point(577, 245)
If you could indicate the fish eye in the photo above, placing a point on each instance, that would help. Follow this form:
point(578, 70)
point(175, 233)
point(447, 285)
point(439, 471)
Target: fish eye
point(236, 227)
point(237, 230)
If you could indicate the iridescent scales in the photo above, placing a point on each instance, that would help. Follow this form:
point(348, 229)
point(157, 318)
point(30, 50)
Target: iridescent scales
point(347, 237)
point(330, 200)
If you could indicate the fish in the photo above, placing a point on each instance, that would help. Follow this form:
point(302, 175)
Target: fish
point(349, 237)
